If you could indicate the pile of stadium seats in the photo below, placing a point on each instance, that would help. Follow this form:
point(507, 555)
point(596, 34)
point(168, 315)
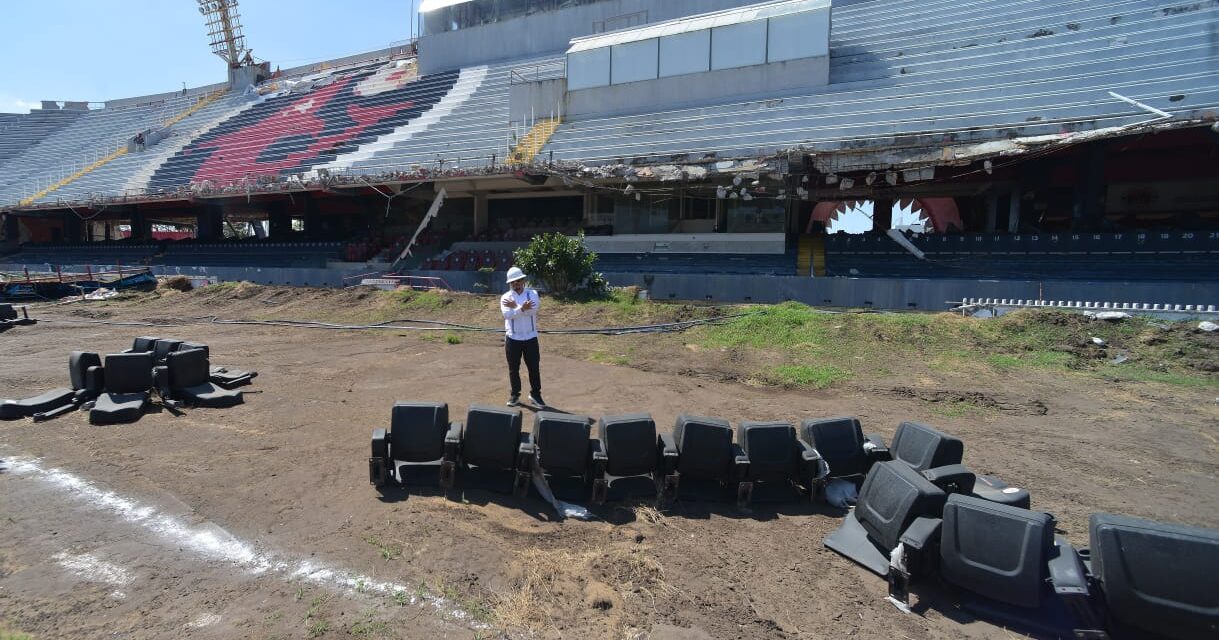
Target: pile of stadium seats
point(119, 387)
point(920, 513)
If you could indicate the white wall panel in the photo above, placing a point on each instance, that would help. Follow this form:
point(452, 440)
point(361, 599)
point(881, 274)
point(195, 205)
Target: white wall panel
point(633, 61)
point(587, 69)
point(738, 45)
point(685, 53)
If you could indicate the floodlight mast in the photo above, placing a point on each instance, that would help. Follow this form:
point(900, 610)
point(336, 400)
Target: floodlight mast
point(224, 31)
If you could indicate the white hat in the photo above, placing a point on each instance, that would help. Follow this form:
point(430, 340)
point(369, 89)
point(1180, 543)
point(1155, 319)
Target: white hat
point(515, 274)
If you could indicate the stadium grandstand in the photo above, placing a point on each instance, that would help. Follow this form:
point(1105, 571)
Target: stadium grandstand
point(885, 153)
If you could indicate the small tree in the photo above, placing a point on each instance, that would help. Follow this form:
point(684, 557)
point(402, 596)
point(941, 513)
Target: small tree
point(561, 263)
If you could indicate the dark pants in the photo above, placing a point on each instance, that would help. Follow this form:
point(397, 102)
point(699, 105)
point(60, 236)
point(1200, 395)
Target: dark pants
point(514, 349)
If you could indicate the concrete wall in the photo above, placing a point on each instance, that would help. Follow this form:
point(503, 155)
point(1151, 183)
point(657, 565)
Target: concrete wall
point(688, 243)
point(545, 33)
point(761, 80)
point(531, 101)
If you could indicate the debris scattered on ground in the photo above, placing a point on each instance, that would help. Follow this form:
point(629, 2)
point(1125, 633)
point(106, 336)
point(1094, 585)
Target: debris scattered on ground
point(1097, 341)
point(1208, 326)
point(101, 294)
point(1111, 316)
point(1119, 359)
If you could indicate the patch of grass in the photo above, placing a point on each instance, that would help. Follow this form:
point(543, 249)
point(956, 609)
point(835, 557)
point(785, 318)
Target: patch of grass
point(317, 628)
point(315, 624)
point(1138, 373)
point(401, 598)
point(6, 634)
point(388, 550)
point(453, 338)
point(368, 627)
point(608, 358)
point(420, 300)
point(807, 375)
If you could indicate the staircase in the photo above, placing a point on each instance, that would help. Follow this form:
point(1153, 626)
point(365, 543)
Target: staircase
point(810, 259)
point(532, 142)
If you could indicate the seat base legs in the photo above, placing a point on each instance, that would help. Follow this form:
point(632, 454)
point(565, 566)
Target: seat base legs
point(377, 472)
point(744, 494)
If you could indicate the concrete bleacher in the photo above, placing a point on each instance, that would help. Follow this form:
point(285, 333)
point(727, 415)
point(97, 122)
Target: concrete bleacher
point(249, 253)
point(980, 70)
point(100, 253)
point(19, 132)
point(1164, 256)
point(94, 135)
point(323, 118)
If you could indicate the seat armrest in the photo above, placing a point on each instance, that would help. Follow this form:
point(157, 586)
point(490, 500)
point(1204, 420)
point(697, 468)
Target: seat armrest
point(740, 463)
point(160, 380)
point(667, 446)
point(453, 436)
point(957, 476)
point(875, 448)
point(816, 466)
point(596, 451)
point(1067, 572)
point(527, 445)
point(921, 533)
point(95, 381)
point(380, 443)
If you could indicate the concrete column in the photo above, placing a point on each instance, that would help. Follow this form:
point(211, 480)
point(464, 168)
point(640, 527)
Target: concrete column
point(71, 228)
point(992, 210)
point(882, 214)
point(209, 223)
point(1090, 191)
point(313, 219)
point(140, 228)
point(480, 212)
point(1013, 209)
point(11, 233)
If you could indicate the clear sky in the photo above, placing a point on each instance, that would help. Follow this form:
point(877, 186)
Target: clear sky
point(98, 50)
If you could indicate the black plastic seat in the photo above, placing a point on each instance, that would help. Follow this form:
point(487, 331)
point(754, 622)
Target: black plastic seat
point(142, 343)
point(1158, 579)
point(893, 498)
point(777, 457)
point(938, 455)
point(86, 377)
point(706, 452)
point(563, 444)
point(126, 392)
point(841, 443)
point(492, 439)
point(632, 449)
point(163, 347)
point(419, 434)
point(184, 377)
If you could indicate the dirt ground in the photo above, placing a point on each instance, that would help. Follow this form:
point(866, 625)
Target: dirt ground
point(258, 521)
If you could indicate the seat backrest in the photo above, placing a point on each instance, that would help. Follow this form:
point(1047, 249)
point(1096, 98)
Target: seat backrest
point(704, 446)
point(195, 345)
point(492, 436)
point(187, 368)
point(924, 447)
point(143, 343)
point(840, 443)
point(562, 441)
point(417, 431)
point(892, 496)
point(7, 312)
point(128, 372)
point(771, 447)
point(163, 347)
point(1157, 577)
point(630, 443)
point(78, 364)
point(996, 550)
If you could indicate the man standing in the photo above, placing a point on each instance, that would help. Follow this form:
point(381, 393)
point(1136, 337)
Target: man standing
point(520, 308)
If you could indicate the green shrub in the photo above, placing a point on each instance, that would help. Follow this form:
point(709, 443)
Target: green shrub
point(564, 265)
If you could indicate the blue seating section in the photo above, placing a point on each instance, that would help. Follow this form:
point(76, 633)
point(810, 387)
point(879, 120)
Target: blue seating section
point(1139, 255)
point(782, 264)
point(79, 254)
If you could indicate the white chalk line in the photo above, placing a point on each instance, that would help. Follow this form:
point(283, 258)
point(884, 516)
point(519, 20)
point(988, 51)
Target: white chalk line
point(210, 541)
point(90, 568)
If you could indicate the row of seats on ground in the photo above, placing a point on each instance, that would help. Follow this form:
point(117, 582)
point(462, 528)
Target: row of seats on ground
point(1003, 562)
point(777, 264)
point(775, 456)
point(119, 387)
point(462, 260)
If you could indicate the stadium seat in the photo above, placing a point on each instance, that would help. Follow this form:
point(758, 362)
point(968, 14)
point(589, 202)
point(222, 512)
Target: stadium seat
point(777, 457)
point(938, 456)
point(896, 505)
point(128, 382)
point(632, 449)
point(142, 344)
point(492, 440)
point(842, 444)
point(706, 453)
point(419, 434)
point(564, 448)
point(185, 377)
point(85, 374)
point(1157, 579)
point(162, 348)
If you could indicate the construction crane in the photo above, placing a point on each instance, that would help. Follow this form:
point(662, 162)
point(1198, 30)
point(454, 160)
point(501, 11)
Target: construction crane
point(224, 31)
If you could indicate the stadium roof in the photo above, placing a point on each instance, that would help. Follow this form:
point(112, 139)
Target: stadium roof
point(432, 5)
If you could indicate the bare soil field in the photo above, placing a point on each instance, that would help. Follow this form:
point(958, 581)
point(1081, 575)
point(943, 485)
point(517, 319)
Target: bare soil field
point(258, 521)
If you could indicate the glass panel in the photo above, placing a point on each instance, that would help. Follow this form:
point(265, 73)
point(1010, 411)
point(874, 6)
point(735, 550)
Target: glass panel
point(685, 53)
point(633, 61)
point(799, 35)
point(588, 69)
point(738, 45)
point(755, 216)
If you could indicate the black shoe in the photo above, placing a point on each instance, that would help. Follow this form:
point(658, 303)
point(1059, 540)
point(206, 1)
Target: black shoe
point(514, 401)
point(536, 399)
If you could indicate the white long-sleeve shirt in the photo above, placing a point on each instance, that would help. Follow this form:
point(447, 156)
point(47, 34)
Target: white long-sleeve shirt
point(520, 324)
